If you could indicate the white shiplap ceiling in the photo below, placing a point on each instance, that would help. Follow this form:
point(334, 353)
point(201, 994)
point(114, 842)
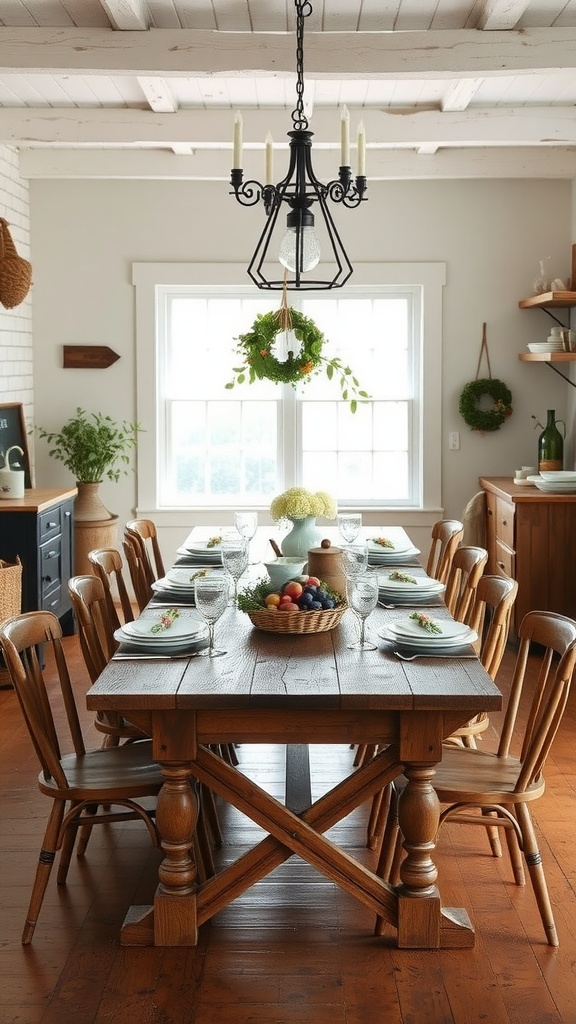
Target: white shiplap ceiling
point(147, 88)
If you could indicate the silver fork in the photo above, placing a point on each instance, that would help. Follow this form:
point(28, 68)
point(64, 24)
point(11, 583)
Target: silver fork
point(412, 657)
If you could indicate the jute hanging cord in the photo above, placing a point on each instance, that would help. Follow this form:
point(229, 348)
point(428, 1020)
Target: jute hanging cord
point(485, 420)
point(15, 272)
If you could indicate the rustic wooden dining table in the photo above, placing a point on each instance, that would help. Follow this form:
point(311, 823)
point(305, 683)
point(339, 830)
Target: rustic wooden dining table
point(297, 690)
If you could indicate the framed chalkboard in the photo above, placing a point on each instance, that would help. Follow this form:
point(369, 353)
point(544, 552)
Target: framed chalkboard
point(13, 431)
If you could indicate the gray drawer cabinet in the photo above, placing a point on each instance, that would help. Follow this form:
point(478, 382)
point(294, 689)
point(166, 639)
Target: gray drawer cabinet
point(39, 530)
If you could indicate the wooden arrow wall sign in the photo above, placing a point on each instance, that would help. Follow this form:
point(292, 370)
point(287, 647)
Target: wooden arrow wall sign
point(88, 357)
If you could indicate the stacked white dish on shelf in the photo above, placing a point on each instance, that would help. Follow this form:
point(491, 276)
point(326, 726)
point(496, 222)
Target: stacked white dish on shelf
point(546, 346)
point(411, 590)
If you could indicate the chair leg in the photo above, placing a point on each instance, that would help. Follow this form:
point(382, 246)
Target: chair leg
point(514, 851)
point(493, 833)
point(536, 870)
point(44, 868)
point(211, 814)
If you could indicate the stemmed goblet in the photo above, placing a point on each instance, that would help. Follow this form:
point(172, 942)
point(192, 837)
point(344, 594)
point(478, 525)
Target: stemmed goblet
point(211, 595)
point(349, 524)
point(246, 523)
point(354, 560)
point(234, 559)
point(363, 598)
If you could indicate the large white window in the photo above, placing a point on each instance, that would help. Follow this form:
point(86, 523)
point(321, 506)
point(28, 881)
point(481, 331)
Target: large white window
point(212, 447)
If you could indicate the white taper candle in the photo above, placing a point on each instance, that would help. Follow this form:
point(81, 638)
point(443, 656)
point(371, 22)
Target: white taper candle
point(345, 138)
point(269, 160)
point(361, 149)
point(237, 159)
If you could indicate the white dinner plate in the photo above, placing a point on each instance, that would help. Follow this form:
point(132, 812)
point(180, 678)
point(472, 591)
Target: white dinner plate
point(553, 487)
point(395, 549)
point(176, 647)
point(562, 475)
point(203, 547)
point(423, 585)
point(209, 557)
point(390, 557)
point(407, 631)
point(185, 627)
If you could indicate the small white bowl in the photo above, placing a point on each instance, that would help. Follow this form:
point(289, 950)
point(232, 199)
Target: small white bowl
point(283, 569)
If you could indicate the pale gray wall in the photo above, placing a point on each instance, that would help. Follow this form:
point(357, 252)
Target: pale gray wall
point(490, 234)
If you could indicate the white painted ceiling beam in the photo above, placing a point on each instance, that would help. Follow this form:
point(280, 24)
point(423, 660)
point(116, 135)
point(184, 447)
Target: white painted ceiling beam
point(501, 14)
point(383, 165)
point(499, 126)
point(340, 55)
point(459, 95)
point(127, 14)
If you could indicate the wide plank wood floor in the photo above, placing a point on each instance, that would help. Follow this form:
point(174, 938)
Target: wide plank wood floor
point(294, 948)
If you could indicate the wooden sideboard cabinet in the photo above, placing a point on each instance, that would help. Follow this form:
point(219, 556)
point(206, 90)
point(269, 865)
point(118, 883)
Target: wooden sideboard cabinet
point(38, 528)
point(531, 536)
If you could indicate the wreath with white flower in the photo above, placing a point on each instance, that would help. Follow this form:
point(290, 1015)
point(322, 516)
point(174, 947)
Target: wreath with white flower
point(257, 348)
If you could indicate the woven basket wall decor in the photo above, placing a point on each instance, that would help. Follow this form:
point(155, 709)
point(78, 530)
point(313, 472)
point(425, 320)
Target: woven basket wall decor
point(15, 272)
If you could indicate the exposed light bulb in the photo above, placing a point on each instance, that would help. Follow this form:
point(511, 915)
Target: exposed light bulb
point(300, 222)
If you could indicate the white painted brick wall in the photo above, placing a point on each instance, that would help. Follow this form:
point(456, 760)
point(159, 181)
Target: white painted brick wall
point(16, 381)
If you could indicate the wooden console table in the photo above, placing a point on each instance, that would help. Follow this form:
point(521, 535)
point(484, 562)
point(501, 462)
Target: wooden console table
point(531, 536)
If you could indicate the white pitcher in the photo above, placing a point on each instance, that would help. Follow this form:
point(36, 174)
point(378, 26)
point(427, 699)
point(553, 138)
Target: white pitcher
point(11, 480)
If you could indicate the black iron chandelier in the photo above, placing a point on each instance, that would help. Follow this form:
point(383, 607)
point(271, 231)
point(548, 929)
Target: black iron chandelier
point(299, 250)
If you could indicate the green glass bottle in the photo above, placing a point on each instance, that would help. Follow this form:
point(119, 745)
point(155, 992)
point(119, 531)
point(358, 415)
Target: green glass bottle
point(551, 445)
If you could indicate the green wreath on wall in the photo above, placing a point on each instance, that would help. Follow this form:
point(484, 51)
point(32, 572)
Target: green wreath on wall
point(485, 420)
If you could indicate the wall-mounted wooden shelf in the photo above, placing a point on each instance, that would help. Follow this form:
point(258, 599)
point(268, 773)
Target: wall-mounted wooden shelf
point(547, 357)
point(558, 300)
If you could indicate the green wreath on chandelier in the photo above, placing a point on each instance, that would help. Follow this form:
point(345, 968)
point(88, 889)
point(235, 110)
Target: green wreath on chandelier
point(485, 420)
point(259, 362)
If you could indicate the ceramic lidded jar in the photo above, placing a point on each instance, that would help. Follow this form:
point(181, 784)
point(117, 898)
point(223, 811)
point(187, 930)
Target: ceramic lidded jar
point(326, 564)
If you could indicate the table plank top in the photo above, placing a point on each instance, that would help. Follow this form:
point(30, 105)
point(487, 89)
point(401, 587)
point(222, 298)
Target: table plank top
point(314, 671)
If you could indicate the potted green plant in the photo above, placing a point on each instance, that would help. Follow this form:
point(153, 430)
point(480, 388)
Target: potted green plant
point(93, 447)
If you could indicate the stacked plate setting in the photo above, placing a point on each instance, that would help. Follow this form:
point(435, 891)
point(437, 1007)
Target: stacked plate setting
point(186, 633)
point(561, 481)
point(203, 552)
point(408, 633)
point(178, 583)
point(396, 554)
point(419, 592)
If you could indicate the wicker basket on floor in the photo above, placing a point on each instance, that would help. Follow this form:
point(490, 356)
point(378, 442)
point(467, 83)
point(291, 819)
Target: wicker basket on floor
point(10, 602)
point(297, 622)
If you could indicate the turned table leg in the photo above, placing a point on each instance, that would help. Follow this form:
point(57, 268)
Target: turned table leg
point(175, 900)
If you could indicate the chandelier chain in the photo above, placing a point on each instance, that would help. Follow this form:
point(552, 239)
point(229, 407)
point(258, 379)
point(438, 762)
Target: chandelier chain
point(299, 119)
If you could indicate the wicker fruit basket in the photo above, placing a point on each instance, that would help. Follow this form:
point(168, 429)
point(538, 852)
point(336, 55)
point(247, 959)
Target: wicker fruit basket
point(297, 622)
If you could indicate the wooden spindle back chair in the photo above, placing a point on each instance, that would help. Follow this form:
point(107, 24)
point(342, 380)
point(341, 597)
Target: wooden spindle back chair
point(500, 786)
point(86, 787)
point(446, 536)
point(108, 567)
point(468, 564)
point(144, 536)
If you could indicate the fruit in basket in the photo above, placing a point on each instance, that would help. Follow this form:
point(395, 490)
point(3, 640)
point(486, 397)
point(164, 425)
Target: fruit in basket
point(308, 593)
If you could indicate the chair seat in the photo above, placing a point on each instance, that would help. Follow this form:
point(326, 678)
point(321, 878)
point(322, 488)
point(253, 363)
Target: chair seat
point(481, 775)
point(107, 772)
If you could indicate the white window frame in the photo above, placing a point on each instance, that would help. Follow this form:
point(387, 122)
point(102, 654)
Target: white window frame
point(148, 277)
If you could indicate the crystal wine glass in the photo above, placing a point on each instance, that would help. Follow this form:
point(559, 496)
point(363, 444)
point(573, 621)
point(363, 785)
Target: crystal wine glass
point(349, 524)
point(211, 595)
point(363, 598)
point(354, 560)
point(235, 559)
point(246, 523)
